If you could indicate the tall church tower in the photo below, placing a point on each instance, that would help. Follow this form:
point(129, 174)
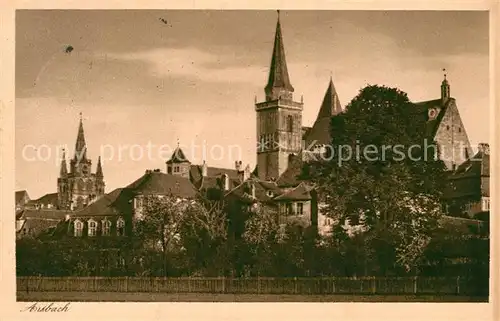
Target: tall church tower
point(279, 117)
point(80, 186)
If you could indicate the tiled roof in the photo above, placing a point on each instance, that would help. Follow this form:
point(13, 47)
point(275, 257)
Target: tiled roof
point(433, 125)
point(114, 203)
point(264, 191)
point(299, 193)
point(159, 183)
point(38, 221)
point(320, 132)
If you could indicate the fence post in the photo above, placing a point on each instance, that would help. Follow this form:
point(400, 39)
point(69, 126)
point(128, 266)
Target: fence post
point(458, 284)
point(126, 283)
point(415, 284)
point(374, 285)
point(258, 284)
point(295, 285)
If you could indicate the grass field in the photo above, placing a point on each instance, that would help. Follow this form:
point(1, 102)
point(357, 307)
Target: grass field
point(207, 297)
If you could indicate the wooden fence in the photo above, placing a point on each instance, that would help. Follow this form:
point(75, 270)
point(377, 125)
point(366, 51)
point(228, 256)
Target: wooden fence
point(262, 285)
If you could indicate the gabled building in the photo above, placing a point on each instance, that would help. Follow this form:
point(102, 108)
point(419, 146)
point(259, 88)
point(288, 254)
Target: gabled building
point(444, 124)
point(468, 191)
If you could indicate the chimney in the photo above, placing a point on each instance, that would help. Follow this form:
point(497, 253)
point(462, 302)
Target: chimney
point(225, 179)
point(484, 148)
point(252, 190)
point(237, 165)
point(204, 169)
point(148, 171)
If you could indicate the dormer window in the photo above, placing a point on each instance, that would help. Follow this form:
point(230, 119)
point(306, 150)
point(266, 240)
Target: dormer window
point(269, 193)
point(92, 228)
point(106, 227)
point(78, 228)
point(120, 227)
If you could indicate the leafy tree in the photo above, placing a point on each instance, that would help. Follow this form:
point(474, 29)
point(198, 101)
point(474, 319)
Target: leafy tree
point(381, 174)
point(204, 236)
point(158, 228)
point(262, 231)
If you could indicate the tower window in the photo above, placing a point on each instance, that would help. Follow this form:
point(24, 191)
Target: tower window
point(447, 127)
point(289, 123)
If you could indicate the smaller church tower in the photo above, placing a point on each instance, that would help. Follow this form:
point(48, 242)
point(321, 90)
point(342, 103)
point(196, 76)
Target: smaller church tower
point(445, 89)
point(63, 184)
point(178, 164)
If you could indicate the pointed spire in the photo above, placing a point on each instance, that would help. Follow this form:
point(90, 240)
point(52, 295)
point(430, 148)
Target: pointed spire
point(64, 168)
point(331, 104)
point(98, 171)
point(279, 80)
point(445, 88)
point(80, 146)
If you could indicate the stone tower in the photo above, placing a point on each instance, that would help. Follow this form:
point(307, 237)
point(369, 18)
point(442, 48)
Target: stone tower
point(80, 186)
point(279, 117)
point(178, 164)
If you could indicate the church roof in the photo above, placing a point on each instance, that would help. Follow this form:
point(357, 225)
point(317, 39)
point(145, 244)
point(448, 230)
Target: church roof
point(319, 134)
point(278, 73)
point(433, 125)
point(157, 183)
point(178, 156)
point(196, 174)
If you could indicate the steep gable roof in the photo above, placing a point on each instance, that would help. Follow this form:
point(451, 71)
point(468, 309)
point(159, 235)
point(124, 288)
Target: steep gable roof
point(433, 124)
point(278, 73)
point(46, 199)
point(319, 134)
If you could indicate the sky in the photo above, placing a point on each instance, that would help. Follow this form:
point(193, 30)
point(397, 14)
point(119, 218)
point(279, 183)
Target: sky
point(143, 85)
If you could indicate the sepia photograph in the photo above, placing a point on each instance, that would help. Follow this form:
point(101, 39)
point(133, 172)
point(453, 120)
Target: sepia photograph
point(251, 156)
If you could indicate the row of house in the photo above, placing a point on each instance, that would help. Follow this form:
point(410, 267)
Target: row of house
point(80, 206)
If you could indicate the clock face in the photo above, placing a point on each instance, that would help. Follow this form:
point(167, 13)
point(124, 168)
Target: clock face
point(432, 113)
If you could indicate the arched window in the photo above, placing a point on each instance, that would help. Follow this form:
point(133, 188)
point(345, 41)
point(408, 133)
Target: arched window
point(92, 228)
point(78, 228)
point(120, 227)
point(289, 123)
point(106, 227)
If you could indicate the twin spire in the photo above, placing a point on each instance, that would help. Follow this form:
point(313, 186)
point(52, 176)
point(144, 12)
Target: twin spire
point(80, 153)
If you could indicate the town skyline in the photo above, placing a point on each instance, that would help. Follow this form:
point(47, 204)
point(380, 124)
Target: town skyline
point(202, 92)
